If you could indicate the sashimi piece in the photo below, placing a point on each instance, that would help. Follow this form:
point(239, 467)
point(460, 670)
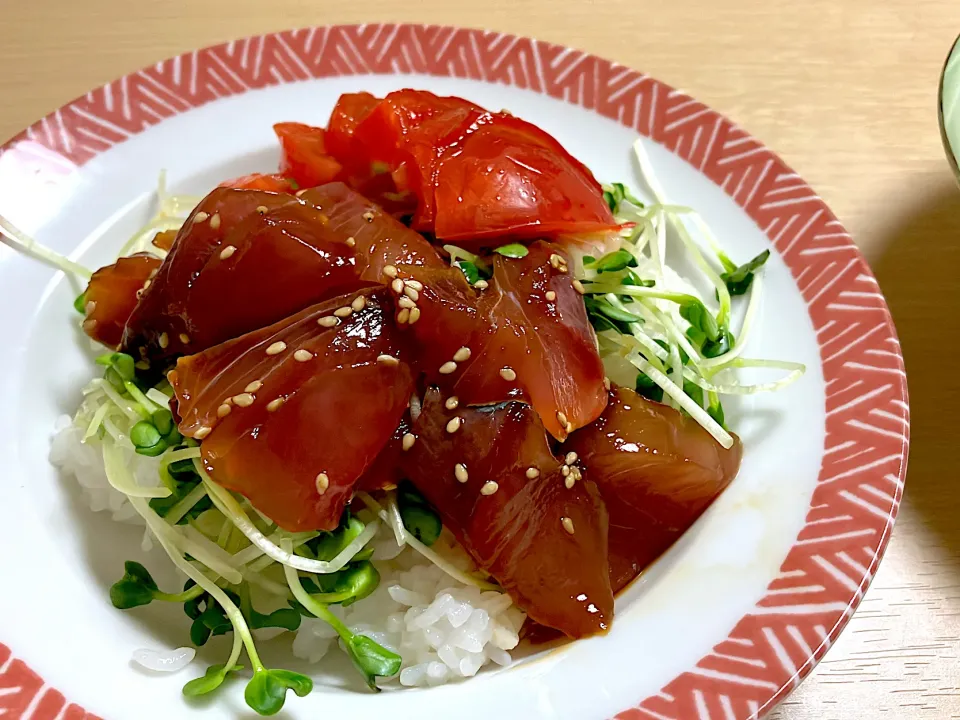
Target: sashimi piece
point(526, 336)
point(112, 294)
point(657, 471)
point(258, 181)
point(386, 471)
point(539, 530)
point(291, 415)
point(243, 259)
point(304, 157)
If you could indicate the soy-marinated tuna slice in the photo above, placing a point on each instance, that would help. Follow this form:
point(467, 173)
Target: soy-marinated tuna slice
point(243, 259)
point(526, 336)
point(292, 414)
point(112, 295)
point(657, 471)
point(379, 239)
point(386, 471)
point(540, 530)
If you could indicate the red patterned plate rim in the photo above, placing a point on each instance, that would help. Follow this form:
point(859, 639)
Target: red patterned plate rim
point(771, 649)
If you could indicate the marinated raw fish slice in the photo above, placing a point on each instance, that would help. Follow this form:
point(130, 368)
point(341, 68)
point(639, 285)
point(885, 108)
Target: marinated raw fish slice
point(540, 344)
point(490, 474)
point(242, 260)
point(386, 471)
point(657, 470)
point(379, 239)
point(292, 414)
point(112, 294)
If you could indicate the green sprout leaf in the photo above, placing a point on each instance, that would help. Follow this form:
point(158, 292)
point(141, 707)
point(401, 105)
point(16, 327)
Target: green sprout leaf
point(615, 261)
point(697, 314)
point(267, 690)
point(738, 280)
point(616, 194)
point(513, 250)
point(716, 348)
point(328, 545)
point(419, 518)
point(715, 410)
point(137, 587)
point(80, 303)
point(372, 659)
point(210, 681)
point(647, 388)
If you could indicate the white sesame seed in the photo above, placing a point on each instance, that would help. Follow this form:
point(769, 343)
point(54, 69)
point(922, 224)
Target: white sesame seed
point(481, 285)
point(350, 242)
point(301, 192)
point(262, 209)
point(408, 440)
point(164, 341)
point(368, 216)
point(562, 419)
point(302, 355)
point(606, 383)
point(88, 325)
point(277, 348)
point(227, 252)
point(403, 316)
point(200, 217)
point(141, 365)
point(397, 286)
point(184, 338)
point(460, 472)
point(327, 321)
point(415, 284)
point(569, 482)
point(411, 293)
point(555, 260)
point(275, 404)
point(139, 293)
point(462, 355)
point(567, 524)
point(390, 271)
point(454, 424)
point(569, 427)
point(343, 312)
point(551, 295)
point(508, 374)
point(571, 458)
point(224, 410)
point(201, 432)
point(253, 387)
point(147, 284)
point(532, 473)
point(406, 302)
point(565, 470)
point(414, 314)
point(243, 400)
point(323, 482)
point(215, 221)
point(452, 403)
point(578, 286)
point(389, 360)
point(448, 367)
point(89, 307)
point(359, 303)
point(489, 487)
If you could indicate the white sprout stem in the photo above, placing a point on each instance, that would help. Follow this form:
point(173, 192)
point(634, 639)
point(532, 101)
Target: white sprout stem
point(756, 288)
point(684, 401)
point(133, 412)
point(796, 372)
point(231, 508)
point(122, 480)
point(160, 530)
point(142, 399)
point(158, 397)
point(209, 553)
point(186, 504)
point(97, 420)
point(18, 240)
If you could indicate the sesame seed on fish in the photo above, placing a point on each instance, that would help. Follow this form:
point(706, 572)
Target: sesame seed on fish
point(397, 286)
point(448, 367)
point(253, 387)
point(163, 340)
point(322, 482)
point(454, 424)
point(408, 440)
point(411, 293)
point(262, 209)
point(243, 400)
point(224, 410)
point(567, 524)
point(406, 302)
point(343, 312)
point(390, 271)
point(200, 217)
point(462, 355)
point(489, 487)
point(578, 286)
point(571, 458)
point(452, 402)
point(388, 360)
point(414, 314)
point(359, 303)
point(227, 252)
point(532, 473)
point(302, 355)
point(460, 472)
point(481, 284)
point(215, 221)
point(328, 321)
point(277, 348)
point(201, 432)
point(561, 418)
point(351, 242)
point(508, 374)
point(415, 284)
point(184, 338)
point(368, 216)
point(551, 295)
point(275, 404)
point(403, 315)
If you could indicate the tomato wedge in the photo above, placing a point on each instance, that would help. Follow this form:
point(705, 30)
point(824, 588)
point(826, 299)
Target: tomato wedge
point(258, 181)
point(545, 543)
point(112, 294)
point(277, 414)
point(243, 259)
point(657, 471)
point(508, 178)
point(304, 155)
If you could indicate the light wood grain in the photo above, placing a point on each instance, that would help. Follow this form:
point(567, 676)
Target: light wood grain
point(843, 89)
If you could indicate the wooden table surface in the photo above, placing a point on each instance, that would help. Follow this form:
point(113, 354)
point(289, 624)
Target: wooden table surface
point(844, 90)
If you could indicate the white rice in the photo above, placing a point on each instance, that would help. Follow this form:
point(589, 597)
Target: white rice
point(443, 629)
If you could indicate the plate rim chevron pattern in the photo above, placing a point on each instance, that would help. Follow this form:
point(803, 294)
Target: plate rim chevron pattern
point(856, 498)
